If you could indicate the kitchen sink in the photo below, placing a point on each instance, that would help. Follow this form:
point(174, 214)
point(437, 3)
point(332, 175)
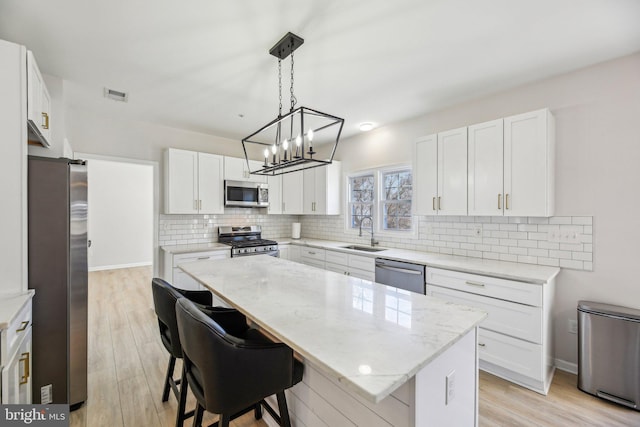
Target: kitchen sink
point(363, 248)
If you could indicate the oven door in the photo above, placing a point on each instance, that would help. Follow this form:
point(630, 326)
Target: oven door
point(246, 194)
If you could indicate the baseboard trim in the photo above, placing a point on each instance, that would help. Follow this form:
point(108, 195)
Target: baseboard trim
point(119, 266)
point(563, 365)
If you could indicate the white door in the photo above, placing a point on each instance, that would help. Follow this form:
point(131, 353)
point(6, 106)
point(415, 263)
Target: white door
point(425, 175)
point(210, 183)
point(452, 172)
point(486, 168)
point(525, 164)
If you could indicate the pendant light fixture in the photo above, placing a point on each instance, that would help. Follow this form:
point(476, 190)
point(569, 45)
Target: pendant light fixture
point(301, 139)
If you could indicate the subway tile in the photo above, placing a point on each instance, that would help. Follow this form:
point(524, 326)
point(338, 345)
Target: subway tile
point(587, 266)
point(508, 257)
point(527, 259)
point(517, 251)
point(517, 235)
point(538, 252)
point(518, 220)
point(528, 243)
point(560, 254)
point(538, 220)
point(566, 263)
point(549, 245)
point(527, 227)
point(508, 242)
point(508, 227)
point(582, 256)
point(560, 220)
point(538, 236)
point(552, 262)
point(474, 254)
point(490, 255)
point(584, 220)
point(571, 247)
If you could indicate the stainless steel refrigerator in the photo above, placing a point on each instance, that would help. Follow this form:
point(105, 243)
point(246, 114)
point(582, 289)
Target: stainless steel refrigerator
point(57, 197)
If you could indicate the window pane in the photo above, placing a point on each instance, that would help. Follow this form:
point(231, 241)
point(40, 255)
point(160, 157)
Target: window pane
point(404, 223)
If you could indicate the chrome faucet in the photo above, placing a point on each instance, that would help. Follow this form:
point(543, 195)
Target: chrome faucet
point(373, 241)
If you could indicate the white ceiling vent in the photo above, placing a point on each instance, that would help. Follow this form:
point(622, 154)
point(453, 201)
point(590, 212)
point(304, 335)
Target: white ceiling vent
point(116, 95)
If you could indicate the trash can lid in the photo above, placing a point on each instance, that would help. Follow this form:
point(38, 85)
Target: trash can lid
point(609, 310)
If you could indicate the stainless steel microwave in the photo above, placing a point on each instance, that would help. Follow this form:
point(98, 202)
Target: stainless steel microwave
point(246, 194)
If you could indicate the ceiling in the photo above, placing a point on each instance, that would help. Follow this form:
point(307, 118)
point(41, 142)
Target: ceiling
point(203, 65)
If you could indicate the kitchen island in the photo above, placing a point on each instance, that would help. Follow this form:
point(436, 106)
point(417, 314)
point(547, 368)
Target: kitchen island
point(374, 355)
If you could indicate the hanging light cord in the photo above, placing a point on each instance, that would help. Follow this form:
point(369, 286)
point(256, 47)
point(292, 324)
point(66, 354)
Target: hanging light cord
point(280, 87)
point(293, 97)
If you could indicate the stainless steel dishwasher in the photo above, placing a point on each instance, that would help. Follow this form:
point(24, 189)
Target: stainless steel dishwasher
point(609, 352)
point(403, 275)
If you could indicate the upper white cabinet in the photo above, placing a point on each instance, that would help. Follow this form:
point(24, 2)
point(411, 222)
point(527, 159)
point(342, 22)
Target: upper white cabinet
point(275, 194)
point(529, 163)
point(236, 169)
point(486, 171)
point(38, 104)
point(440, 173)
point(193, 182)
point(321, 194)
point(292, 193)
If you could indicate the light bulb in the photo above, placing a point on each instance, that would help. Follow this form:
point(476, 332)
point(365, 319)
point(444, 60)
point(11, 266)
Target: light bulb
point(285, 144)
point(310, 135)
point(274, 149)
point(298, 140)
point(266, 153)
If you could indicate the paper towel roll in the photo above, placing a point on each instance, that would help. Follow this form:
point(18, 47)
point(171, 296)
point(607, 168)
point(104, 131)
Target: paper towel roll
point(295, 230)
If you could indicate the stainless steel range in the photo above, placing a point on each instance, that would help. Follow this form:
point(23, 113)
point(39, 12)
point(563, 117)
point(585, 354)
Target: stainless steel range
point(246, 241)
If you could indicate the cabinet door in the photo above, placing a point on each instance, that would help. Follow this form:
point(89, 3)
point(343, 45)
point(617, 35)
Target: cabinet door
point(38, 100)
point(275, 194)
point(235, 169)
point(452, 172)
point(16, 375)
point(328, 189)
point(309, 191)
point(284, 251)
point(425, 175)
point(181, 171)
point(528, 164)
point(294, 253)
point(210, 183)
point(292, 193)
point(486, 168)
point(255, 165)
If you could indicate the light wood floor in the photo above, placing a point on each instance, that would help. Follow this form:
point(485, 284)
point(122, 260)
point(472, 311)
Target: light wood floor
point(127, 364)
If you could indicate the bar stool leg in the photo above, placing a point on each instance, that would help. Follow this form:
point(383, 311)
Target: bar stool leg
point(182, 401)
point(257, 411)
point(197, 417)
point(167, 380)
point(284, 411)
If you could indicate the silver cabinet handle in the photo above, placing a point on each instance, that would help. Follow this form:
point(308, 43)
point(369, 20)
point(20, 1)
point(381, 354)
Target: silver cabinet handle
point(439, 208)
point(311, 253)
point(204, 257)
point(433, 204)
point(399, 270)
point(499, 201)
point(479, 285)
point(506, 201)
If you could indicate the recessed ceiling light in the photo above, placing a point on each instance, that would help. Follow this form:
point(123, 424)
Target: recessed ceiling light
point(366, 127)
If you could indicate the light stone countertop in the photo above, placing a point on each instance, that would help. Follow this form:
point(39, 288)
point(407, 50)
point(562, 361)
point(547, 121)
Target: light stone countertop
point(529, 273)
point(372, 338)
point(10, 306)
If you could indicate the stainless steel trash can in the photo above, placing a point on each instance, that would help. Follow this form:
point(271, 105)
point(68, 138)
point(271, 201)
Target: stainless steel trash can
point(609, 352)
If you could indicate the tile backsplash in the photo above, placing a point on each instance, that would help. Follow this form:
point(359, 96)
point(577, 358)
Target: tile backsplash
point(561, 241)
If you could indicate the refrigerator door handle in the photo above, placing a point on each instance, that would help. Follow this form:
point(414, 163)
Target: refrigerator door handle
point(88, 243)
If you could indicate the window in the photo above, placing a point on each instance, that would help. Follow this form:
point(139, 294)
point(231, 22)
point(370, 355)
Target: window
point(396, 200)
point(361, 200)
point(385, 195)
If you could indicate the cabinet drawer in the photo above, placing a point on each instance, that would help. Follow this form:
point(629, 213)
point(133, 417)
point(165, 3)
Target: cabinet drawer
point(17, 330)
point(200, 256)
point(362, 274)
point(362, 262)
point(340, 258)
point(508, 290)
point(517, 320)
point(336, 268)
point(313, 254)
point(510, 353)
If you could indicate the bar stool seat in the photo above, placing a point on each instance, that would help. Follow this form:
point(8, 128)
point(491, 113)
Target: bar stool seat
point(231, 367)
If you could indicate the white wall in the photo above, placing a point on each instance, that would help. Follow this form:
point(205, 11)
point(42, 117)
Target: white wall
point(597, 113)
point(120, 218)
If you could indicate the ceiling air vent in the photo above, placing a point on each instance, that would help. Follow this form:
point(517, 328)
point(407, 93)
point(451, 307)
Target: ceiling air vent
point(116, 95)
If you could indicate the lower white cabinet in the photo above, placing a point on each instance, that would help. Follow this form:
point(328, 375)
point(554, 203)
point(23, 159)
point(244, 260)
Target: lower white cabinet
point(178, 278)
point(359, 266)
point(16, 358)
point(515, 340)
point(312, 256)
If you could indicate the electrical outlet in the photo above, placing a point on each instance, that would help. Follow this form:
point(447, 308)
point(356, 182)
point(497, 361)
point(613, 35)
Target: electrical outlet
point(450, 392)
point(46, 394)
point(573, 326)
point(477, 230)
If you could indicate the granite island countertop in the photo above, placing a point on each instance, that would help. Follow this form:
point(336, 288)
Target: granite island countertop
point(372, 338)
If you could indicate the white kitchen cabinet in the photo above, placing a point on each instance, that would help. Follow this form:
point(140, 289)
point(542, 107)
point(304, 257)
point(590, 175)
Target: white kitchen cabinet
point(16, 358)
point(312, 256)
point(275, 194)
point(178, 278)
point(294, 253)
point(511, 166)
point(284, 251)
point(235, 168)
point(193, 182)
point(515, 340)
point(486, 168)
point(292, 193)
point(321, 194)
point(529, 164)
point(362, 267)
point(440, 173)
point(38, 104)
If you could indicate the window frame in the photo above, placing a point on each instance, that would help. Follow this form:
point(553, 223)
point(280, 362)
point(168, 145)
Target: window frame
point(378, 203)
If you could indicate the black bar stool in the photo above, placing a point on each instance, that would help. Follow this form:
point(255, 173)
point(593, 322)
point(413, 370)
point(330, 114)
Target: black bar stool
point(164, 301)
point(231, 368)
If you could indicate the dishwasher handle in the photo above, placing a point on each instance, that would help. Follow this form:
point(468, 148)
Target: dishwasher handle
point(398, 269)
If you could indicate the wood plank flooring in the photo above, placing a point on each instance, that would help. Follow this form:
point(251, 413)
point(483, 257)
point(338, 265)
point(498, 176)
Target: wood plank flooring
point(127, 364)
